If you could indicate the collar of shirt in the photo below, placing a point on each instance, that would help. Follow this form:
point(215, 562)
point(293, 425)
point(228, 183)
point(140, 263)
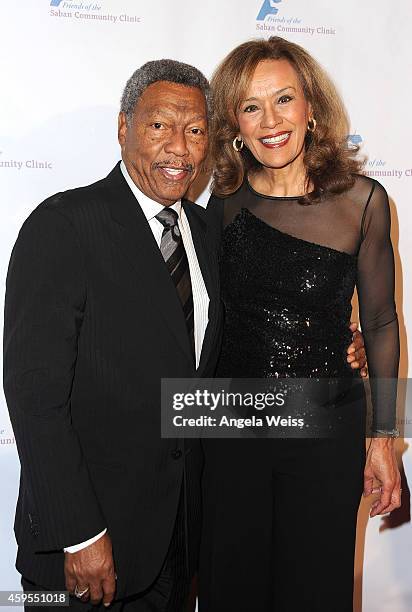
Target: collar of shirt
point(149, 207)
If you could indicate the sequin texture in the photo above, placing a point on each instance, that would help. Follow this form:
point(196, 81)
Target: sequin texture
point(287, 301)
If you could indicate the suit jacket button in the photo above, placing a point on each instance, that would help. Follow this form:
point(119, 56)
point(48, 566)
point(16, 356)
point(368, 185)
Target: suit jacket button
point(176, 453)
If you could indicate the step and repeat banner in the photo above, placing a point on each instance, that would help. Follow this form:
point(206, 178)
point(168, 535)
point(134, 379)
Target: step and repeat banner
point(63, 67)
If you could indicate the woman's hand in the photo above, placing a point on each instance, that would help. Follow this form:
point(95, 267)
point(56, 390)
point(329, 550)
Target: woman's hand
point(356, 351)
point(381, 465)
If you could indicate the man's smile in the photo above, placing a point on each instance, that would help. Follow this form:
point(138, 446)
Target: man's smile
point(174, 172)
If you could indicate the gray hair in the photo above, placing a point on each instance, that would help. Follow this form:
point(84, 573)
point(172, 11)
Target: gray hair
point(162, 70)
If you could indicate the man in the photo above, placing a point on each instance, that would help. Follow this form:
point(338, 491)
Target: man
point(110, 288)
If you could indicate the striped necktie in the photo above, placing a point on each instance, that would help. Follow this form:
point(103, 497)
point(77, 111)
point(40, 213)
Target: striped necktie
point(174, 254)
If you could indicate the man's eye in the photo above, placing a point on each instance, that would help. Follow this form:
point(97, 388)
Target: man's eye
point(157, 125)
point(284, 99)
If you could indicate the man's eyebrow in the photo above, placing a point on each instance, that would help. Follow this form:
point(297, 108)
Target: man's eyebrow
point(276, 93)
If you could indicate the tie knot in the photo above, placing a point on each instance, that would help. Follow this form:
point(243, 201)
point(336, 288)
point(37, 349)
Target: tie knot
point(167, 217)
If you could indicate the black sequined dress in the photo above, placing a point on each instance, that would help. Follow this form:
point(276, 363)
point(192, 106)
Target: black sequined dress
point(287, 303)
point(288, 273)
point(279, 516)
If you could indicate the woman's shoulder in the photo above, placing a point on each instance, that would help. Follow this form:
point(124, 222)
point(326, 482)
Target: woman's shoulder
point(215, 206)
point(214, 213)
point(366, 188)
point(222, 208)
point(218, 199)
point(218, 202)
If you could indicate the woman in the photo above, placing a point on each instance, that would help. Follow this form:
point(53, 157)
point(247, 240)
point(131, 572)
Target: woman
point(301, 227)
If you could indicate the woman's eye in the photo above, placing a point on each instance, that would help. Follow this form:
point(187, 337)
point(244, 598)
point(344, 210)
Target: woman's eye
point(196, 131)
point(250, 108)
point(157, 125)
point(285, 99)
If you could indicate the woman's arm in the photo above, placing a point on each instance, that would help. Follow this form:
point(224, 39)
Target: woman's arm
point(376, 286)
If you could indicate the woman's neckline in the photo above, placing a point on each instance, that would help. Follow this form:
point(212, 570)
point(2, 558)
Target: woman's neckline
point(268, 197)
point(290, 236)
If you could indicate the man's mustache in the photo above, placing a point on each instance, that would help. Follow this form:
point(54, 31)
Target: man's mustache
point(172, 164)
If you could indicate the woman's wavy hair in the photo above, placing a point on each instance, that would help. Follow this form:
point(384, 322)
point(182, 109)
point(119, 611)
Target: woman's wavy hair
point(329, 160)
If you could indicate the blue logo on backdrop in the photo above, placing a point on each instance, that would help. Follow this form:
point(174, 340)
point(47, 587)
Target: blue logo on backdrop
point(273, 21)
point(268, 8)
point(355, 139)
point(55, 2)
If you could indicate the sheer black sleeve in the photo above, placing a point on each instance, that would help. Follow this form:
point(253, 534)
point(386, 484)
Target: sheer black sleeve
point(375, 285)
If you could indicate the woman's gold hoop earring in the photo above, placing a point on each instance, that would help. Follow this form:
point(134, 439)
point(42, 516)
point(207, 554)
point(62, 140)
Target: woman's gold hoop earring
point(238, 144)
point(311, 125)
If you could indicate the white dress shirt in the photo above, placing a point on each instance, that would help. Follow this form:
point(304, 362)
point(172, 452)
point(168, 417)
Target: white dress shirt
point(150, 209)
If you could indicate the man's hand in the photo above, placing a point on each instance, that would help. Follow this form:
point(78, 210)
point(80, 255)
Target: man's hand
point(356, 351)
point(92, 568)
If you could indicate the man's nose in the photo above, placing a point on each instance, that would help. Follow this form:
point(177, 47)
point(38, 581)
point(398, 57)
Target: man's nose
point(177, 143)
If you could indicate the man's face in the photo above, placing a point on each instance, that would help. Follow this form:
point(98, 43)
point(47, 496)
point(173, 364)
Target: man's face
point(165, 144)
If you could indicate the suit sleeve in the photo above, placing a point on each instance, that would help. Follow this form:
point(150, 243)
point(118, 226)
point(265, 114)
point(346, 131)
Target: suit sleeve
point(46, 298)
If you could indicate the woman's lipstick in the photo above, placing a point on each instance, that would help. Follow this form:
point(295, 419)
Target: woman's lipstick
point(274, 141)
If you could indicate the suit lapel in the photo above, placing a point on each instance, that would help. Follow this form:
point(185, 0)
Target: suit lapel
point(133, 234)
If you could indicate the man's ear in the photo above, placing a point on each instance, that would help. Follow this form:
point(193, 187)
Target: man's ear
point(121, 129)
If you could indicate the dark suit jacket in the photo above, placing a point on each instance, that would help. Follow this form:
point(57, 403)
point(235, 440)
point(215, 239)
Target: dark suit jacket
point(92, 323)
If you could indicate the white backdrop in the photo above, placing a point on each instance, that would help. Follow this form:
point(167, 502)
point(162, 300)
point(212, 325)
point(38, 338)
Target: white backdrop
point(63, 67)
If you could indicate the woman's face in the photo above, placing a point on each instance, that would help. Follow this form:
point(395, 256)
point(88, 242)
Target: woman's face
point(273, 119)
